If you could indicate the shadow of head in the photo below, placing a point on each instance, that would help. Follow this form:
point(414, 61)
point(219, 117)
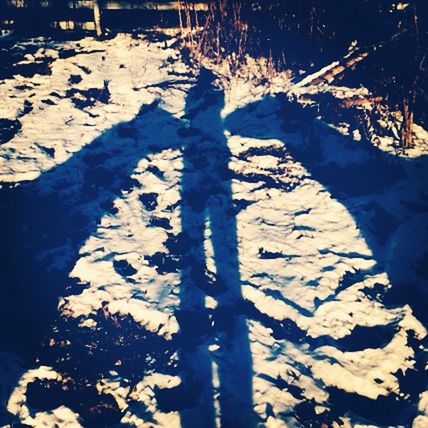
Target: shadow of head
point(386, 194)
point(204, 103)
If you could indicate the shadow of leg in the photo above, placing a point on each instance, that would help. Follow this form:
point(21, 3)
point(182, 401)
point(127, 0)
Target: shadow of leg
point(193, 317)
point(234, 355)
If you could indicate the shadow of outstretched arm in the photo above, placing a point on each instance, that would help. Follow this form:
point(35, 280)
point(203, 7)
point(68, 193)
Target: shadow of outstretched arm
point(380, 190)
point(45, 222)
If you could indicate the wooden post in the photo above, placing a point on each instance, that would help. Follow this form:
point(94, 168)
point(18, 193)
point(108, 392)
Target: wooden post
point(179, 17)
point(97, 19)
point(407, 124)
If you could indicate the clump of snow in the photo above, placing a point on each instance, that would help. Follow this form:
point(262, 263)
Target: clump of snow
point(422, 419)
point(17, 405)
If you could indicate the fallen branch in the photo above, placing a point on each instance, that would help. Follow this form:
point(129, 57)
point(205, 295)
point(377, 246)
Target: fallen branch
point(329, 73)
point(360, 101)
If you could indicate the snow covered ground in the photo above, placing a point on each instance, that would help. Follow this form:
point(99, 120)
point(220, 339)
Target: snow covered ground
point(178, 254)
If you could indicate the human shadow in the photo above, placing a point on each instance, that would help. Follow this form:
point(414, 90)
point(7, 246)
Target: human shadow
point(45, 223)
point(207, 209)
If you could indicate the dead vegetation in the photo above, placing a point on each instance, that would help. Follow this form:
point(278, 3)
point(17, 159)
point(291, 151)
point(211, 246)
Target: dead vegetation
point(389, 50)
